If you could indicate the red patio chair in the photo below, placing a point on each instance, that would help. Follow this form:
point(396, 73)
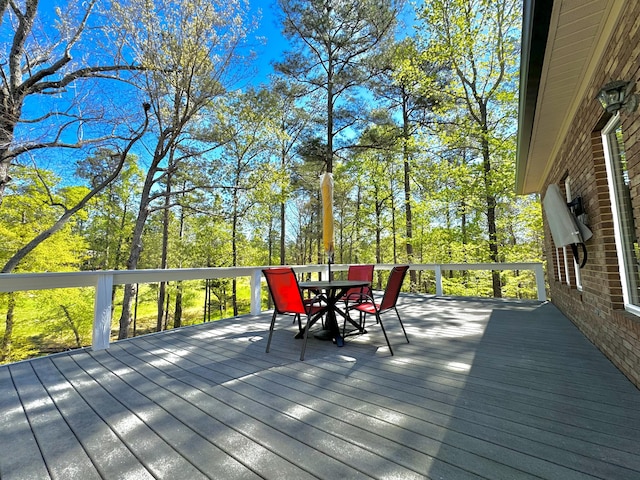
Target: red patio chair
point(368, 305)
point(288, 300)
point(359, 272)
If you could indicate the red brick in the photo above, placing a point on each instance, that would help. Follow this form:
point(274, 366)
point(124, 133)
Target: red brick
point(598, 311)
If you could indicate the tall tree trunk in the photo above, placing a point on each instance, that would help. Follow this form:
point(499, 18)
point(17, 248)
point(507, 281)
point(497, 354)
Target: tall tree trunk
point(329, 153)
point(119, 248)
point(271, 248)
point(74, 327)
point(491, 203)
point(283, 164)
point(136, 247)
point(234, 253)
point(270, 239)
point(177, 316)
point(166, 309)
point(378, 214)
point(449, 249)
point(407, 187)
point(353, 253)
point(5, 348)
point(463, 232)
point(162, 291)
point(393, 222)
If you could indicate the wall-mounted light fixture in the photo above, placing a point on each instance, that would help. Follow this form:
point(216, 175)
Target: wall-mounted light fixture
point(615, 95)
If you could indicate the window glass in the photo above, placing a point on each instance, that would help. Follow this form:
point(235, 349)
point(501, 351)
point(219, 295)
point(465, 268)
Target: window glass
point(625, 230)
point(576, 267)
point(559, 267)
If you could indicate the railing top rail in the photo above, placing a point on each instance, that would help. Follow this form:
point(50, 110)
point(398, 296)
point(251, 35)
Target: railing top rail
point(11, 282)
point(478, 266)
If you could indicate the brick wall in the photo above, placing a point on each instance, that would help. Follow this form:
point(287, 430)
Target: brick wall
point(598, 310)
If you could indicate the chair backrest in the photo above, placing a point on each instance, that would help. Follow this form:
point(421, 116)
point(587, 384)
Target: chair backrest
point(284, 289)
point(360, 272)
point(394, 284)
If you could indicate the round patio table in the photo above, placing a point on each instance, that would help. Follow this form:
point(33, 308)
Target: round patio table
point(333, 291)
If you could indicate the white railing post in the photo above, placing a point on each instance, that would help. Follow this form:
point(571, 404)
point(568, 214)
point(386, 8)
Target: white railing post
point(542, 290)
point(256, 292)
point(102, 312)
point(439, 280)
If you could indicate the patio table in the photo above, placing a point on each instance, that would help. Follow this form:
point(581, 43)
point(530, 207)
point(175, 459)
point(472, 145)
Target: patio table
point(333, 292)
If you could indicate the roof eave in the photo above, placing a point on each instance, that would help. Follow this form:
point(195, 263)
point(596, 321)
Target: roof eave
point(536, 19)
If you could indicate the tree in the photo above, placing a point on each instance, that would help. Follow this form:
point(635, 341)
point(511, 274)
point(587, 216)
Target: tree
point(112, 210)
point(307, 207)
point(373, 170)
point(291, 120)
point(72, 205)
point(191, 54)
point(479, 40)
point(29, 211)
point(404, 86)
point(48, 74)
point(333, 45)
point(247, 131)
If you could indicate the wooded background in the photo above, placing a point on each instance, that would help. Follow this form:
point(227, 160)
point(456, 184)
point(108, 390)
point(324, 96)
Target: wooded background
point(134, 134)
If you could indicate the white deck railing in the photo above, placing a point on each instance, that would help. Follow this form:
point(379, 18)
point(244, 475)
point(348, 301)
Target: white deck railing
point(104, 280)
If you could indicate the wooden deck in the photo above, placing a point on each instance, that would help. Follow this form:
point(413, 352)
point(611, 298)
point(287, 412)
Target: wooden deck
point(486, 389)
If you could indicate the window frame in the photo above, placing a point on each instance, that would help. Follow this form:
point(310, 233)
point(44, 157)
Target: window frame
point(576, 266)
point(612, 155)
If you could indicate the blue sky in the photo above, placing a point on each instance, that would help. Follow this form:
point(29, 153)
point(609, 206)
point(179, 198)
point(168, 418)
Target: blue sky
point(270, 29)
point(276, 44)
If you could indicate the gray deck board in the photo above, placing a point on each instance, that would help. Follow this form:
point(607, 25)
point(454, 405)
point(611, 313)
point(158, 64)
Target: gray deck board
point(55, 439)
point(486, 389)
point(108, 454)
point(16, 435)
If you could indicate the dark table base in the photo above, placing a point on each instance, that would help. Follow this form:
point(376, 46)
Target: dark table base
point(323, 335)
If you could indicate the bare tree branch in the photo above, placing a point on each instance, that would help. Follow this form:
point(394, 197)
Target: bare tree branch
point(69, 212)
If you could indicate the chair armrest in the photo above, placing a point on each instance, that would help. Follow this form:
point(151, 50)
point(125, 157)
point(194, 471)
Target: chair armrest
point(316, 299)
point(359, 298)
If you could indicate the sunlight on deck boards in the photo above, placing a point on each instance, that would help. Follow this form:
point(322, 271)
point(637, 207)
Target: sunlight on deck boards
point(492, 389)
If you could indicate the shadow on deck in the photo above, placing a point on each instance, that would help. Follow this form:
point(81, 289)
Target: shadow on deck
point(486, 389)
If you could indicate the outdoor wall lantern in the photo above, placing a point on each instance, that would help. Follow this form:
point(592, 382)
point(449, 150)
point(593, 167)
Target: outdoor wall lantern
point(615, 95)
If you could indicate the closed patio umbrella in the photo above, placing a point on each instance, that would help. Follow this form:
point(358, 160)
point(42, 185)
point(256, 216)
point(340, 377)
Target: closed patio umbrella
point(326, 188)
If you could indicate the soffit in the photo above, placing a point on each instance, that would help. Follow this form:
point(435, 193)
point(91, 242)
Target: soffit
point(578, 33)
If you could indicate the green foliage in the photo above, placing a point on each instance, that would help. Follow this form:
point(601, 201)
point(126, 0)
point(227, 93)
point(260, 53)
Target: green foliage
point(112, 211)
point(27, 210)
point(50, 320)
point(335, 47)
point(427, 122)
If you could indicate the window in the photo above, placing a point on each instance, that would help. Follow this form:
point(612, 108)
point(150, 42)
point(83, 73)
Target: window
point(576, 266)
point(559, 267)
point(624, 225)
point(564, 257)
